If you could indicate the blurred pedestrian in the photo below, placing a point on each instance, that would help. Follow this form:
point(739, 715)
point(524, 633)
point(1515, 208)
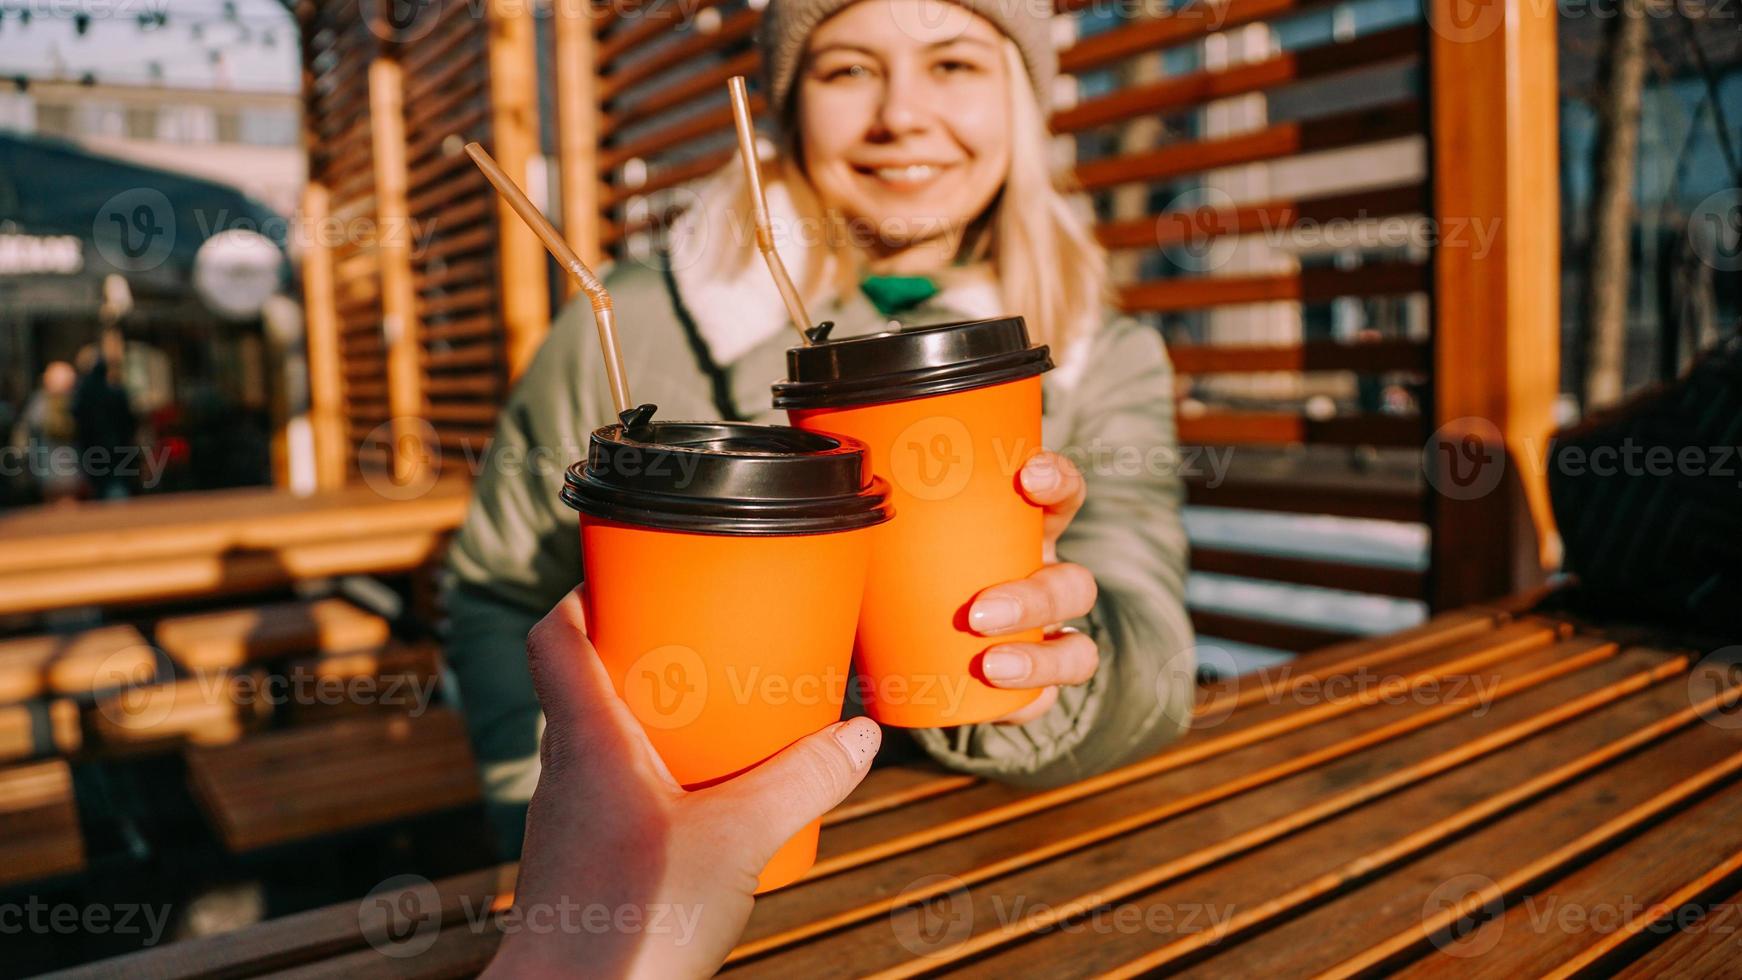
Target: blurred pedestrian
point(48, 434)
point(108, 432)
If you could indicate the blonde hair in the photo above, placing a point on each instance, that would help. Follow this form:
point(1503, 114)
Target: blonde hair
point(1049, 267)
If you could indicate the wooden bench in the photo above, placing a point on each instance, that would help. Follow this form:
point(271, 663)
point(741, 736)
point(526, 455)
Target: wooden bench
point(32, 729)
point(240, 666)
point(277, 787)
point(39, 823)
point(206, 710)
point(1408, 804)
point(42, 679)
point(233, 638)
point(151, 549)
point(74, 664)
point(400, 677)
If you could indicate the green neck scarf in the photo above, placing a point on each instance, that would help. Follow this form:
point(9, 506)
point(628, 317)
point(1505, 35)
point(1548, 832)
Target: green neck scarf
point(897, 294)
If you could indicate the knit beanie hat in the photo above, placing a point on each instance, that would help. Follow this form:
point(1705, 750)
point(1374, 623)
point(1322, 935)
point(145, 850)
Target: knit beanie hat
point(787, 24)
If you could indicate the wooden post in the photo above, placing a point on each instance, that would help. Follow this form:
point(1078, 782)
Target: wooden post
point(326, 413)
point(1496, 307)
point(393, 251)
point(513, 60)
point(577, 109)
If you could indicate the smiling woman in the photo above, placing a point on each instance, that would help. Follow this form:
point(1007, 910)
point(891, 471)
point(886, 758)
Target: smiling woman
point(910, 185)
point(906, 126)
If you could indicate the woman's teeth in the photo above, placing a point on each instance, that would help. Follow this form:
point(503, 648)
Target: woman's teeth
point(916, 174)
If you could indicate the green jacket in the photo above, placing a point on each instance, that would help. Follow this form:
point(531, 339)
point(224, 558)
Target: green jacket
point(1108, 406)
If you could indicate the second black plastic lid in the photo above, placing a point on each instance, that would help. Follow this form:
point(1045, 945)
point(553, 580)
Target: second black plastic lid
point(914, 363)
point(727, 478)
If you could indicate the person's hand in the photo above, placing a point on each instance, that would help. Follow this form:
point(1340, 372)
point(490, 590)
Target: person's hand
point(1060, 591)
point(656, 881)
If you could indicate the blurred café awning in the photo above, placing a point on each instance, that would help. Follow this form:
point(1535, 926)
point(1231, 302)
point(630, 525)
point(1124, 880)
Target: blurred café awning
point(69, 218)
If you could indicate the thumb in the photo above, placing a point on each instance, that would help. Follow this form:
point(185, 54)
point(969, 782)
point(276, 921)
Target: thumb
point(568, 678)
point(586, 723)
point(775, 800)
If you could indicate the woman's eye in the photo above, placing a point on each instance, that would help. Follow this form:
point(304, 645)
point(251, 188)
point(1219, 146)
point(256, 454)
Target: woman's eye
point(956, 67)
point(846, 71)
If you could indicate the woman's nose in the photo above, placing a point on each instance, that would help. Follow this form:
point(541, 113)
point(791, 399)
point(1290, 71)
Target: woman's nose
point(903, 108)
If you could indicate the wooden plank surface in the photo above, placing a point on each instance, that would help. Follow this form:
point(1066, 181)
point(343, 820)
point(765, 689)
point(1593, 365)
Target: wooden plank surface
point(1404, 583)
point(229, 638)
point(1309, 482)
point(1285, 428)
point(196, 544)
point(1345, 813)
point(211, 709)
point(35, 729)
point(1272, 633)
point(33, 539)
point(304, 782)
point(1230, 791)
point(1191, 90)
point(1370, 357)
point(1626, 895)
point(1708, 947)
point(39, 822)
point(74, 663)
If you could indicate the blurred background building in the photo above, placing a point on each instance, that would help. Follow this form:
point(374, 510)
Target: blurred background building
point(250, 140)
point(141, 183)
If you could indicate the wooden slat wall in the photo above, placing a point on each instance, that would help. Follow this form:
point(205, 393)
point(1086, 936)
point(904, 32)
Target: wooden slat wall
point(663, 115)
point(338, 48)
point(1185, 245)
point(436, 295)
point(1171, 108)
point(459, 316)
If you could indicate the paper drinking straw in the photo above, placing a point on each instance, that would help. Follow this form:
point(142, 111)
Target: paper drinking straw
point(801, 320)
point(565, 257)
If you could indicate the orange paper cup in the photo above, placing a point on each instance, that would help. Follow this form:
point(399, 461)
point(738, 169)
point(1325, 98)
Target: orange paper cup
point(724, 567)
point(950, 414)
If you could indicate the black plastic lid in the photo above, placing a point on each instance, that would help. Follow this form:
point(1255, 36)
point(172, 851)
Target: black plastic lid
point(726, 478)
point(913, 363)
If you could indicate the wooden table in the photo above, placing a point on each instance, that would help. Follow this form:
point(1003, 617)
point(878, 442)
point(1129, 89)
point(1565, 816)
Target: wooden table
point(197, 544)
point(1490, 794)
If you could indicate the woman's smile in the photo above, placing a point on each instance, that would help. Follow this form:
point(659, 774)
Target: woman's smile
point(904, 177)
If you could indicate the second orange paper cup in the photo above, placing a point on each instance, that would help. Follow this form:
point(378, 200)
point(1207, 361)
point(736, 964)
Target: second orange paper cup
point(950, 414)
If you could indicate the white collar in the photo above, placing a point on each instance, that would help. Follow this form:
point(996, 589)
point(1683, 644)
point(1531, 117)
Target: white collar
point(735, 314)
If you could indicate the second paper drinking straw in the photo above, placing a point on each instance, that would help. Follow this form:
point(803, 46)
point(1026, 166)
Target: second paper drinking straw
point(801, 320)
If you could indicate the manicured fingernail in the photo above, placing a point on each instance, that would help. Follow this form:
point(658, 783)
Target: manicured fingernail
point(1004, 665)
point(860, 737)
point(994, 612)
point(1040, 475)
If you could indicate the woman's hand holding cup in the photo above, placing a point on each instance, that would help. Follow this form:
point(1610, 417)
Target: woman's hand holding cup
point(1057, 593)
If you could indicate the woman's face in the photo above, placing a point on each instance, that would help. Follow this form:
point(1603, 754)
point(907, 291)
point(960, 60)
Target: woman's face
point(903, 117)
